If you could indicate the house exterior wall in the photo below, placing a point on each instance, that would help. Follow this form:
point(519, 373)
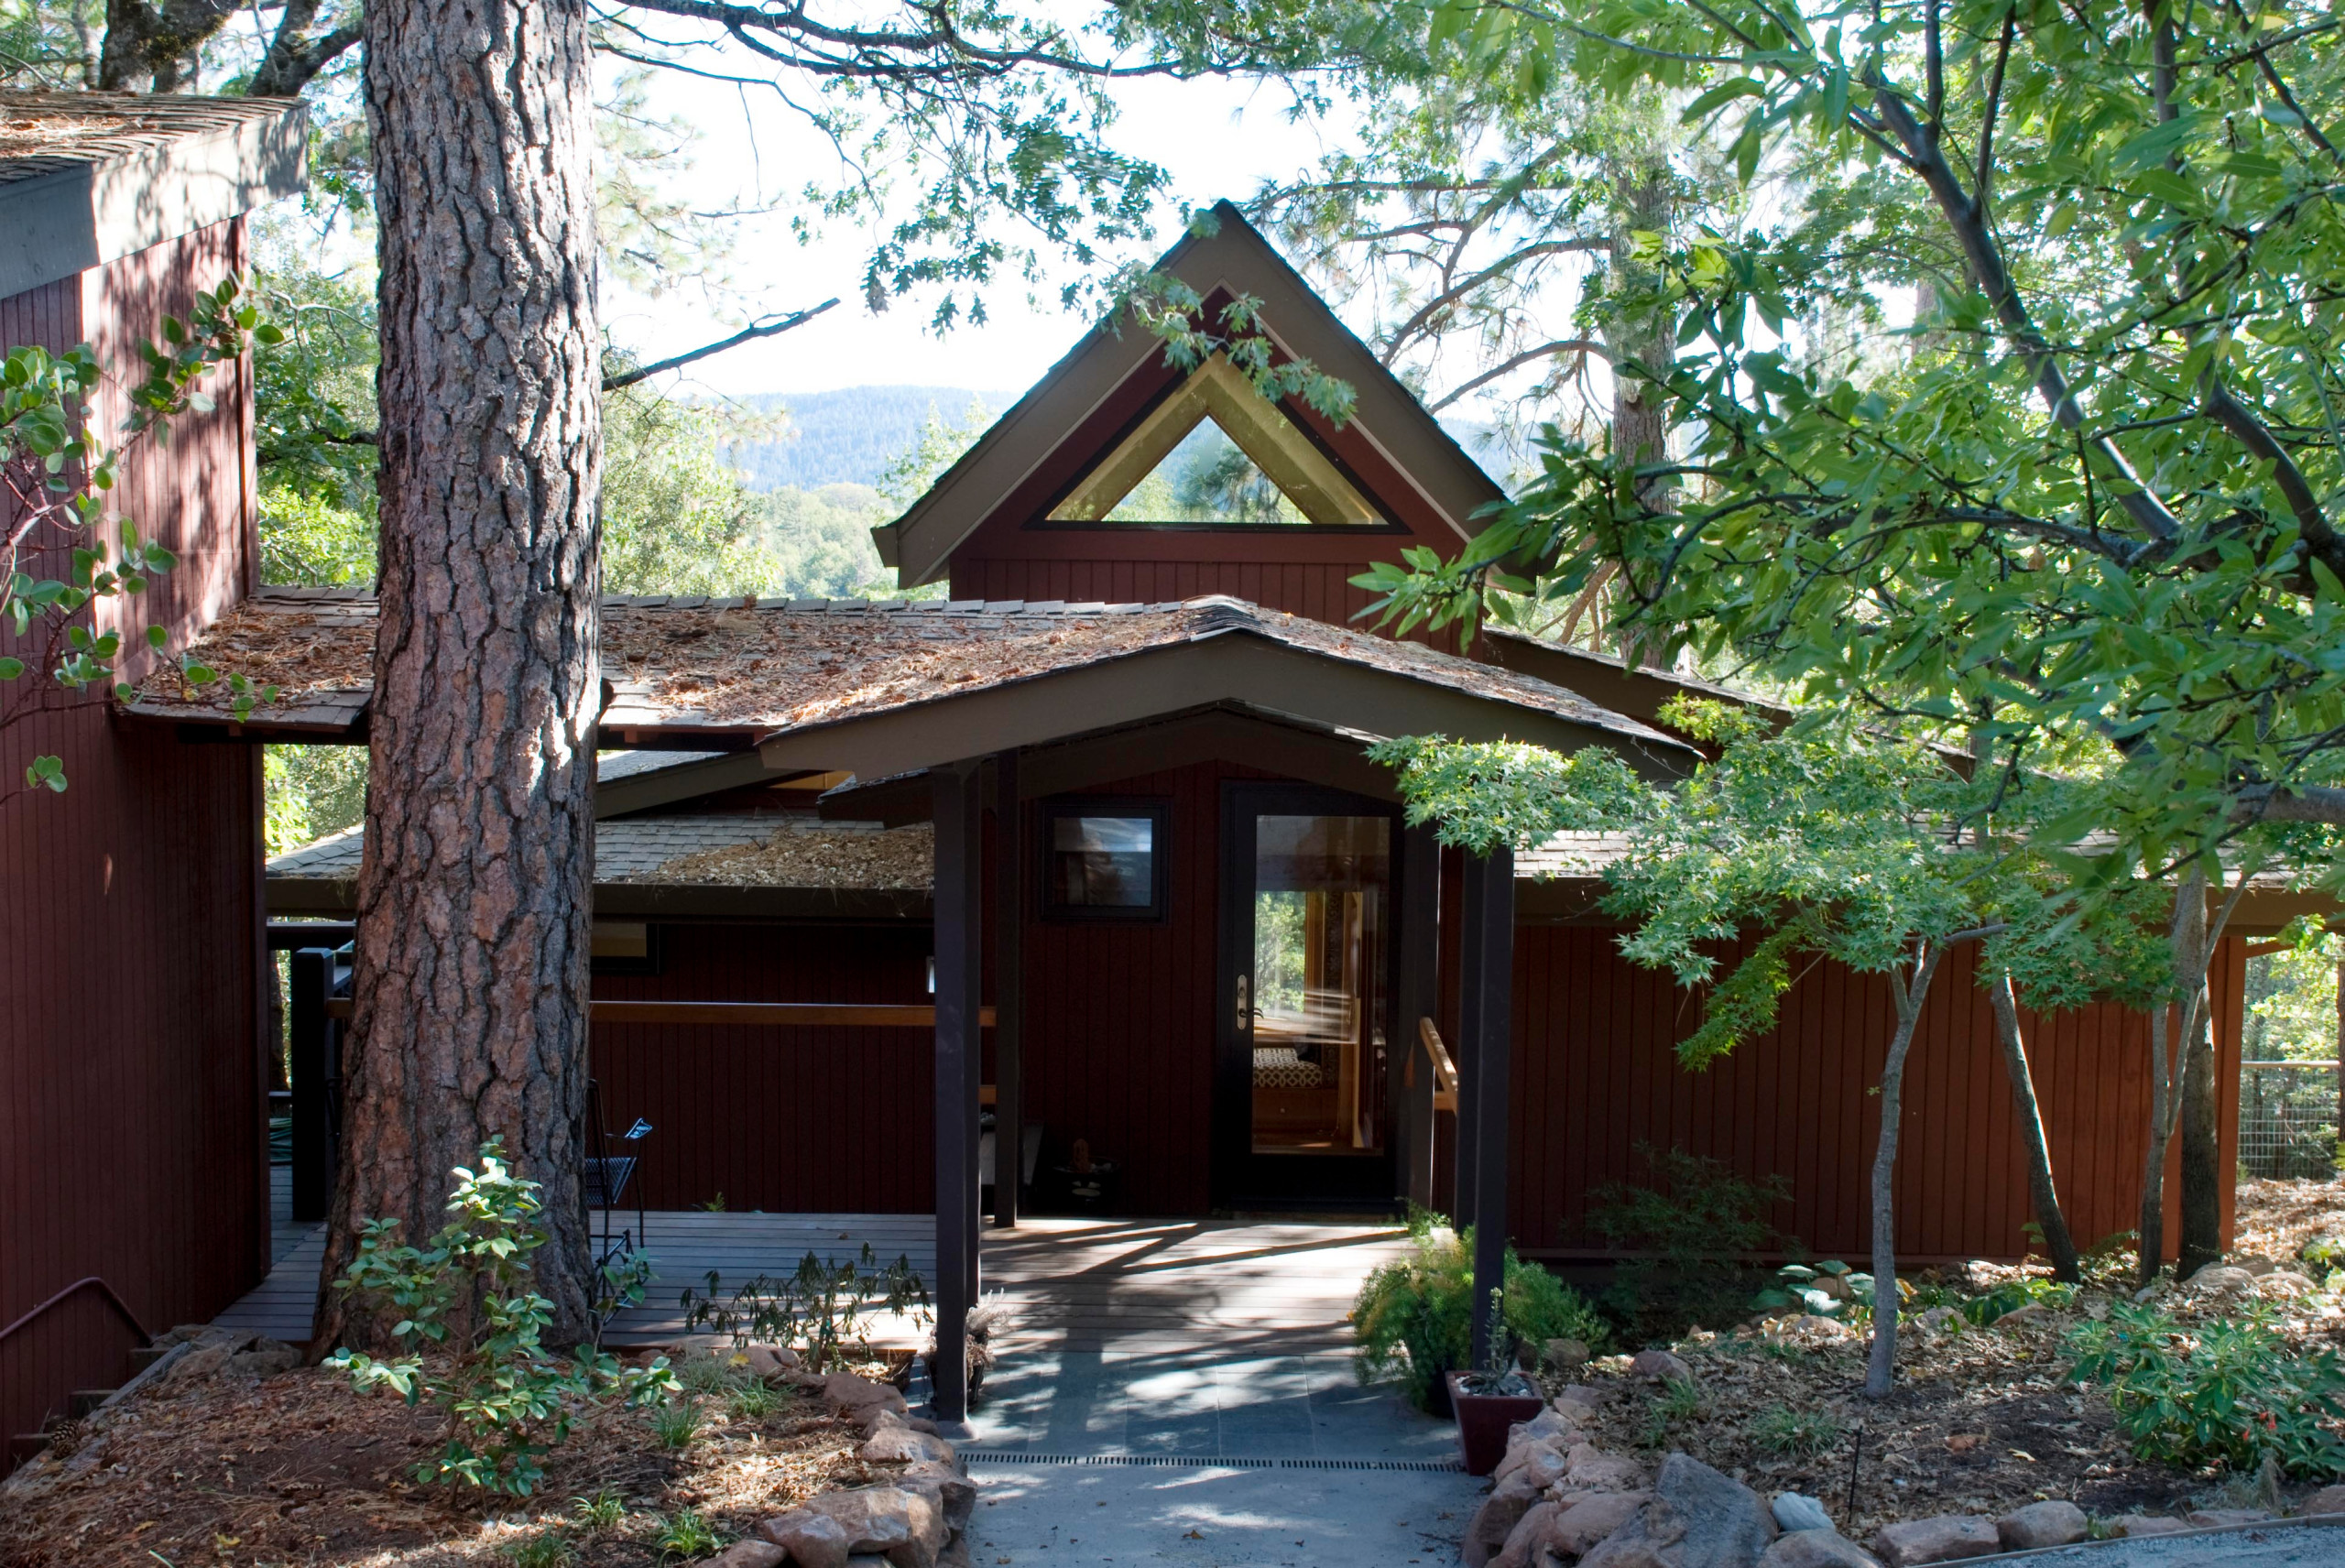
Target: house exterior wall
point(131, 1131)
point(1595, 1076)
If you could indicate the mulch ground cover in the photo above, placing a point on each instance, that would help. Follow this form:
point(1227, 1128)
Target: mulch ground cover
point(296, 1469)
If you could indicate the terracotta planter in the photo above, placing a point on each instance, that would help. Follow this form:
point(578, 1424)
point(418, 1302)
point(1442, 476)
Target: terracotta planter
point(1482, 1420)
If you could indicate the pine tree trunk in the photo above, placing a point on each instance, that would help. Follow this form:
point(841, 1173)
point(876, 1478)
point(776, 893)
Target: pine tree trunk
point(473, 917)
point(2044, 1196)
point(1881, 1368)
point(1640, 335)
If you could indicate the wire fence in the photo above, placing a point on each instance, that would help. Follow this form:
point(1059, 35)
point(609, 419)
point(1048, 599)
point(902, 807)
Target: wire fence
point(2288, 1119)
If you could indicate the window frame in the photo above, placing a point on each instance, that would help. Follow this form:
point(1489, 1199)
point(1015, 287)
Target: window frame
point(1158, 809)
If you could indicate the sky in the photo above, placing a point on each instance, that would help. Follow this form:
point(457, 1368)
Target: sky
point(1217, 138)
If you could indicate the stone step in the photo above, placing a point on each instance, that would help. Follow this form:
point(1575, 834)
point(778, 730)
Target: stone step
point(26, 1446)
point(81, 1401)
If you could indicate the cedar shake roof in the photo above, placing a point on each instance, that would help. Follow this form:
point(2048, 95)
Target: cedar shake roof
point(88, 178)
point(729, 674)
point(1233, 259)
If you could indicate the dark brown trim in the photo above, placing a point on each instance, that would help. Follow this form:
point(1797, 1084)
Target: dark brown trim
point(1316, 754)
point(1488, 993)
point(1008, 989)
point(959, 971)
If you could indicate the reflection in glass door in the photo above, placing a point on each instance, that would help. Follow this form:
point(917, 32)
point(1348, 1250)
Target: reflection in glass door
point(1314, 1002)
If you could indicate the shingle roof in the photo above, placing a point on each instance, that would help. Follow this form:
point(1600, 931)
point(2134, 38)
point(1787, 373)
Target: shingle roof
point(715, 849)
point(44, 133)
point(741, 671)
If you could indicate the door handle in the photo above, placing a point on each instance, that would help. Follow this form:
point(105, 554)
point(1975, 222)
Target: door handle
point(1245, 1002)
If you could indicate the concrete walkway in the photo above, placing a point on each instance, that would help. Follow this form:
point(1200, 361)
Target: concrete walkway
point(2263, 1546)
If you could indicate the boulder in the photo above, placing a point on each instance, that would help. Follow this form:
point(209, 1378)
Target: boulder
point(1565, 1355)
point(2327, 1500)
point(1659, 1367)
point(752, 1555)
point(1816, 1549)
point(850, 1396)
point(1794, 1512)
point(2222, 1279)
point(1696, 1518)
point(771, 1362)
point(1541, 1461)
point(945, 1486)
point(266, 1358)
point(2132, 1525)
point(811, 1539)
point(898, 1523)
point(1938, 1320)
point(1592, 1470)
point(1579, 1403)
point(1495, 1520)
point(1524, 1543)
point(1590, 1518)
point(894, 1443)
point(1949, 1538)
point(1548, 1426)
point(196, 1366)
point(2048, 1523)
point(2215, 1519)
point(2252, 1264)
point(2285, 1282)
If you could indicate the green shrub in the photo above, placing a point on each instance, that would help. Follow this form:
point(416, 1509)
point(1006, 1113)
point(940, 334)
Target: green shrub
point(676, 1423)
point(606, 1510)
point(2013, 1294)
point(821, 1308)
point(2230, 1393)
point(752, 1401)
point(1693, 1224)
point(508, 1400)
point(1414, 1315)
point(688, 1535)
point(547, 1549)
point(1794, 1434)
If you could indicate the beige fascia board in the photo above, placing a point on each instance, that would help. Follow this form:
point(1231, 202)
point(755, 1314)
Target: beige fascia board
point(1230, 667)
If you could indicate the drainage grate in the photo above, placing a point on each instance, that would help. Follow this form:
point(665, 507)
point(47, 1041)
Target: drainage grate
point(1201, 1462)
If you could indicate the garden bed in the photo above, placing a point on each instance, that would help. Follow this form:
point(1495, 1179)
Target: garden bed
point(295, 1468)
point(1984, 1419)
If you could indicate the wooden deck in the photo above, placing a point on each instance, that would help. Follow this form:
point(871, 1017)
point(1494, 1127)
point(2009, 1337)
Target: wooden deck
point(1136, 1287)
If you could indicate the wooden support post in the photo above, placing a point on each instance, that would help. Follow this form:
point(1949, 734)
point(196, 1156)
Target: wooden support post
point(1419, 995)
point(1008, 989)
point(311, 1035)
point(959, 901)
point(1489, 981)
point(1465, 1050)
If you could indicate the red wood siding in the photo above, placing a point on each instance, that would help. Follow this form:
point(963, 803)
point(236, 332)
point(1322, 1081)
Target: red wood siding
point(1595, 1075)
point(130, 1086)
point(781, 1119)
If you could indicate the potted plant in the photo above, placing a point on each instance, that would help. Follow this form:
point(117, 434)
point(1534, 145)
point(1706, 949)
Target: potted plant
point(1489, 1402)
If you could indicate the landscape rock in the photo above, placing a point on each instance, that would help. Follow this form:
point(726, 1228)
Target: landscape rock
point(893, 1443)
point(1794, 1512)
point(2327, 1500)
point(2049, 1523)
point(1590, 1518)
point(1816, 1549)
point(1949, 1538)
point(895, 1522)
point(1542, 1463)
point(1524, 1542)
point(1660, 1366)
point(752, 1555)
point(1495, 1520)
point(1577, 1404)
point(851, 1396)
point(1696, 1518)
point(2222, 1279)
point(771, 1362)
point(1938, 1320)
point(1565, 1355)
point(2132, 1525)
point(266, 1358)
point(945, 1486)
point(196, 1365)
point(2210, 1518)
point(2252, 1264)
point(1593, 1470)
point(2285, 1282)
point(2024, 1312)
point(1548, 1426)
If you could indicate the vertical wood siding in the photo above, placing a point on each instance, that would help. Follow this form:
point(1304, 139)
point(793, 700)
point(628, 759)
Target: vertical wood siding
point(1595, 1076)
point(781, 1119)
point(130, 1044)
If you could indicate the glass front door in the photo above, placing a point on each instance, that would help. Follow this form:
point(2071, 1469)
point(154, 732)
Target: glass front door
point(1308, 946)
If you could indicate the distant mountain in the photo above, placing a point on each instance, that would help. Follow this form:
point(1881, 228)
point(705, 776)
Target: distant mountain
point(849, 436)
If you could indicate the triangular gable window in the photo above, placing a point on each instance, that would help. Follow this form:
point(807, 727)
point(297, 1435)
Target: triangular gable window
point(1216, 453)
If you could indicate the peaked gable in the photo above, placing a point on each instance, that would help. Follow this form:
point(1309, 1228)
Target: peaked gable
point(1391, 469)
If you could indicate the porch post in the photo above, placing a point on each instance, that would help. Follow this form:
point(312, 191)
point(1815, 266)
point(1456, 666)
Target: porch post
point(1008, 989)
point(958, 903)
point(312, 980)
point(1490, 980)
point(1412, 1080)
point(1466, 1050)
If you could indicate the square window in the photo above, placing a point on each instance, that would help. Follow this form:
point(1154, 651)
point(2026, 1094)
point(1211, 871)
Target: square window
point(1104, 859)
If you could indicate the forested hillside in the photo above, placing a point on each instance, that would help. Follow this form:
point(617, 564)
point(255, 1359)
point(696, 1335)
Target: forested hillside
point(848, 437)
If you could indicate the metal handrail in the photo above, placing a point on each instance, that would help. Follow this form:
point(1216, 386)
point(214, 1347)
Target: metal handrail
point(78, 1285)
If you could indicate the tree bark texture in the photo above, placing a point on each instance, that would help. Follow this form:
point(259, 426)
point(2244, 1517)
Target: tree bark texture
point(1881, 1367)
point(2044, 1195)
point(2202, 1172)
point(2151, 1245)
point(1640, 329)
point(470, 976)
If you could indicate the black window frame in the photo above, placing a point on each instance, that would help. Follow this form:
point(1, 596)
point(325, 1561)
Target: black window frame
point(1158, 809)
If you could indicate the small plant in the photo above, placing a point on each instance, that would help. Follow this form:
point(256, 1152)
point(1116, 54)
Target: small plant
point(1830, 1288)
point(688, 1536)
point(1413, 1317)
point(1679, 1400)
point(752, 1401)
point(546, 1549)
point(676, 1423)
point(604, 1511)
point(821, 1307)
point(1795, 1434)
point(508, 1400)
point(2230, 1393)
point(2013, 1294)
point(714, 1206)
point(1688, 1231)
point(709, 1374)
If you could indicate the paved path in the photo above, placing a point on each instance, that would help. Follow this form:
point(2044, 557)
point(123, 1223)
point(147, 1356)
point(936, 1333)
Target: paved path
point(2283, 1546)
